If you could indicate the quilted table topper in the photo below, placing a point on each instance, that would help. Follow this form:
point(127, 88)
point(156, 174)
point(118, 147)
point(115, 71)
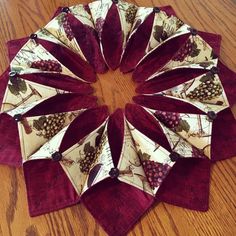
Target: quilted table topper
point(160, 148)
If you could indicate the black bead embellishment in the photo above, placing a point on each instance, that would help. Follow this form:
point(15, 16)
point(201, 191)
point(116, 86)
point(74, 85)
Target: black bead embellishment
point(193, 31)
point(34, 36)
point(214, 70)
point(211, 115)
point(174, 156)
point(114, 173)
point(115, 1)
point(156, 9)
point(65, 9)
point(56, 156)
point(18, 117)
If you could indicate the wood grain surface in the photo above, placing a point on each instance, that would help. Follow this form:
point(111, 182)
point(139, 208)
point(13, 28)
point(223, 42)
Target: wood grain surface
point(19, 18)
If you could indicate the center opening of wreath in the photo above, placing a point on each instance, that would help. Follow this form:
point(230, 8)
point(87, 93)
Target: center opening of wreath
point(114, 89)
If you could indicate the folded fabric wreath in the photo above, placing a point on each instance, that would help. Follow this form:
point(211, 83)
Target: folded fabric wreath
point(158, 149)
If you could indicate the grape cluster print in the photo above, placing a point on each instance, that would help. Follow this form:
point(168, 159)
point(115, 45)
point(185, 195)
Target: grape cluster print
point(49, 126)
point(89, 158)
point(130, 14)
point(98, 25)
point(208, 89)
point(47, 65)
point(91, 153)
point(67, 27)
point(189, 49)
point(155, 172)
point(170, 119)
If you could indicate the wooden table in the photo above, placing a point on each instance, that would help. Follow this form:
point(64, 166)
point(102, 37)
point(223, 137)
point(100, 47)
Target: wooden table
point(19, 18)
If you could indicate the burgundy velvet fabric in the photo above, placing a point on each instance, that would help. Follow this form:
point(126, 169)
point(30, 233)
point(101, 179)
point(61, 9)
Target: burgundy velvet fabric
point(83, 125)
point(162, 103)
point(137, 44)
point(228, 79)
point(62, 103)
point(65, 56)
point(168, 80)
point(223, 136)
point(116, 206)
point(8, 155)
point(146, 124)
point(112, 38)
point(88, 41)
point(59, 81)
point(70, 60)
point(3, 84)
point(156, 59)
point(115, 132)
point(214, 40)
point(48, 187)
point(10, 152)
point(187, 185)
point(14, 46)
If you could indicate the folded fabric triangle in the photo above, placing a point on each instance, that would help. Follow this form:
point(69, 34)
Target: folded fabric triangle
point(37, 122)
point(113, 22)
point(213, 120)
point(151, 27)
point(64, 55)
point(195, 51)
point(112, 190)
point(34, 58)
point(55, 173)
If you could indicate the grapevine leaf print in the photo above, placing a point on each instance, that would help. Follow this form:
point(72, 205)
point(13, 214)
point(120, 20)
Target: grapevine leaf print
point(38, 124)
point(195, 51)
point(88, 148)
point(183, 125)
point(159, 34)
point(93, 173)
point(207, 77)
point(143, 156)
point(17, 86)
point(206, 64)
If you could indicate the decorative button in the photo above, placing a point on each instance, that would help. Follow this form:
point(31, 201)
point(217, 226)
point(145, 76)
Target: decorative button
point(65, 9)
point(211, 115)
point(56, 156)
point(174, 156)
point(34, 36)
point(156, 9)
point(214, 70)
point(114, 172)
point(193, 31)
point(115, 1)
point(17, 117)
point(12, 74)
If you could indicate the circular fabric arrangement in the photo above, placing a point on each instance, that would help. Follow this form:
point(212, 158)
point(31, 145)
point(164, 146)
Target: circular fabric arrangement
point(160, 148)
